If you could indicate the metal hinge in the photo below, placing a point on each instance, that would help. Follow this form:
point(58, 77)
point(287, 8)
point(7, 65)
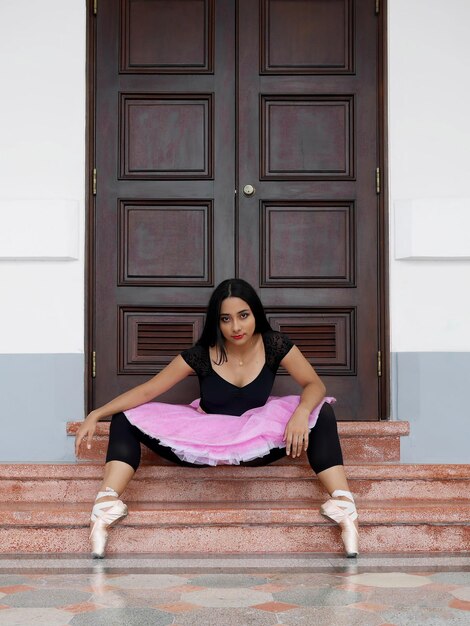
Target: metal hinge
point(377, 180)
point(93, 184)
point(379, 363)
point(95, 7)
point(93, 364)
point(377, 7)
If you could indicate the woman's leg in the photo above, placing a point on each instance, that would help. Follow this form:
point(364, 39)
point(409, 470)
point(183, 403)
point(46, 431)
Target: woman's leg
point(122, 457)
point(324, 451)
point(326, 459)
point(122, 460)
point(124, 453)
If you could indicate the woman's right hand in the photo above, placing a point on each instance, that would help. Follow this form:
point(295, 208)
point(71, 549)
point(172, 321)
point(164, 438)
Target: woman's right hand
point(86, 431)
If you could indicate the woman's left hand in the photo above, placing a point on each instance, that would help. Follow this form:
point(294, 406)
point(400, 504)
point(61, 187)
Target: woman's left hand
point(296, 433)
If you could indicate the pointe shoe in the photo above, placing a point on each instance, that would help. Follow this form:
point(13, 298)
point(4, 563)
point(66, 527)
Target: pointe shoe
point(344, 513)
point(104, 515)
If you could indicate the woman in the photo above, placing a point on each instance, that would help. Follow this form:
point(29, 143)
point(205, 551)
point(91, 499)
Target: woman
point(235, 422)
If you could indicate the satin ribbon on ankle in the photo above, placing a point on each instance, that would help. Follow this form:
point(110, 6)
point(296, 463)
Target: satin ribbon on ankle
point(103, 505)
point(103, 515)
point(348, 509)
point(343, 513)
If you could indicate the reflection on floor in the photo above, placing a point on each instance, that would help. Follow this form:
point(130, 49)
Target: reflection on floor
point(235, 590)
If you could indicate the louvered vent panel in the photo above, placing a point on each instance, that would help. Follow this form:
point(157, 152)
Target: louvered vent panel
point(315, 342)
point(163, 339)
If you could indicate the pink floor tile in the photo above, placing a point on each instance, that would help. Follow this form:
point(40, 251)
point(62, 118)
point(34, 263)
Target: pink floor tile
point(82, 608)
point(459, 604)
point(275, 607)
point(15, 588)
point(355, 587)
point(270, 587)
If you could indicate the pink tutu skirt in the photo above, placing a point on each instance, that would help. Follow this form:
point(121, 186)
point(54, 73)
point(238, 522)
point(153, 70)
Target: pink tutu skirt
point(213, 439)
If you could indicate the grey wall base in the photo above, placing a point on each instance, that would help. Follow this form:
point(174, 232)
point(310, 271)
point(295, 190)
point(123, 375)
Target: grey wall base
point(431, 391)
point(39, 393)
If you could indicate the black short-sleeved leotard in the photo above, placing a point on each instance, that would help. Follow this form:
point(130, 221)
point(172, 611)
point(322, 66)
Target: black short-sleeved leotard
point(220, 396)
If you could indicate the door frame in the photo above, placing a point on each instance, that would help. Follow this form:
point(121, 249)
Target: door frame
point(383, 234)
point(382, 207)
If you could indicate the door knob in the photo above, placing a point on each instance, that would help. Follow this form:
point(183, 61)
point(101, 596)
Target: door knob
point(249, 190)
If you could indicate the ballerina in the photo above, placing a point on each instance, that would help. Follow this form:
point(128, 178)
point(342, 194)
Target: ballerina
point(235, 422)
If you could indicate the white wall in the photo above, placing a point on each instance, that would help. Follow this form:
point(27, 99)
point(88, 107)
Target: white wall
point(42, 158)
point(42, 168)
point(429, 156)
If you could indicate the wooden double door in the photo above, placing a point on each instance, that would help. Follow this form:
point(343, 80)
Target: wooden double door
point(236, 138)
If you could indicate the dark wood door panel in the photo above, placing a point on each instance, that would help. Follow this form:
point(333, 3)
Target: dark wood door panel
point(306, 237)
point(165, 159)
point(155, 38)
point(307, 244)
point(166, 136)
point(306, 137)
point(147, 226)
point(314, 37)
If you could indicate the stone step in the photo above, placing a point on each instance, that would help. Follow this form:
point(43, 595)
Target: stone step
point(361, 441)
point(235, 527)
point(382, 481)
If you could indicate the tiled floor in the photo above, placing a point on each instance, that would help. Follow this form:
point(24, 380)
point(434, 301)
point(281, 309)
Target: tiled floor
point(239, 590)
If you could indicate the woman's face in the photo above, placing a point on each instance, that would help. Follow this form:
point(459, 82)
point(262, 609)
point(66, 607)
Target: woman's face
point(237, 322)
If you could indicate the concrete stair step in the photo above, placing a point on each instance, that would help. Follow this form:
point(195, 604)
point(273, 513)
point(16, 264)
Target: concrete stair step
point(238, 527)
point(227, 513)
point(361, 441)
point(403, 507)
point(371, 482)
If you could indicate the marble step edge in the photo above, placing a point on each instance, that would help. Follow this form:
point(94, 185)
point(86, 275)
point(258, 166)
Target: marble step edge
point(355, 450)
point(288, 539)
point(164, 514)
point(255, 490)
point(369, 471)
point(394, 428)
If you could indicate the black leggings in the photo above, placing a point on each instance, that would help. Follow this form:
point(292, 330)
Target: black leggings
point(323, 451)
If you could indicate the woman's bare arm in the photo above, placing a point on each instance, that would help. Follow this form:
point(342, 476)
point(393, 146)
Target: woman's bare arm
point(296, 433)
point(172, 374)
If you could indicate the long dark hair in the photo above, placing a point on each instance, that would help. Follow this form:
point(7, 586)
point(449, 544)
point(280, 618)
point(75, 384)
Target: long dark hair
point(231, 288)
